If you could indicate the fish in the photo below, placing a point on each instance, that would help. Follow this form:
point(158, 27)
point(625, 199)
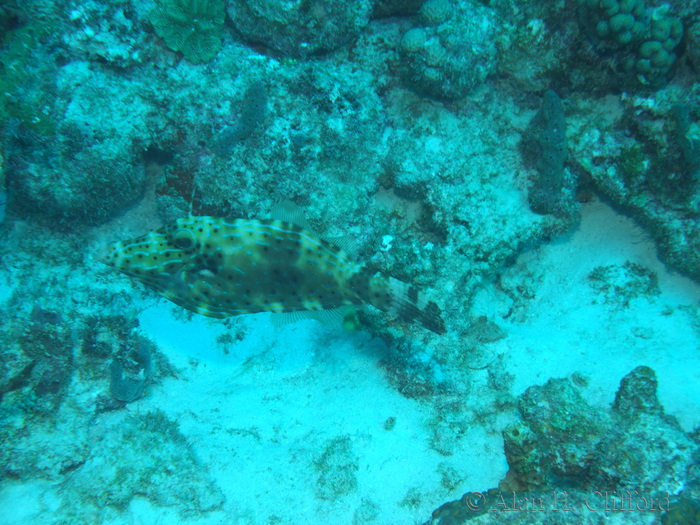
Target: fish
point(220, 267)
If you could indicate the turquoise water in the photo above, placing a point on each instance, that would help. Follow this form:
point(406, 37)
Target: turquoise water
point(502, 197)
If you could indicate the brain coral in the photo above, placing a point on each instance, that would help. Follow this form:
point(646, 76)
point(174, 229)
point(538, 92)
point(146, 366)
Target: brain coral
point(300, 27)
point(436, 12)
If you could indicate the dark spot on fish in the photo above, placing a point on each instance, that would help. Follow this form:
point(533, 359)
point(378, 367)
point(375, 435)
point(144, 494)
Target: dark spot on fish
point(200, 230)
point(412, 294)
point(167, 254)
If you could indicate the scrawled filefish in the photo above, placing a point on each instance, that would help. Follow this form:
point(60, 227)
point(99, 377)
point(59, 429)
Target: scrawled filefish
point(222, 267)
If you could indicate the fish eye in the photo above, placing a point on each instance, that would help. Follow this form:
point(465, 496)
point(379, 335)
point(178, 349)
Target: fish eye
point(184, 239)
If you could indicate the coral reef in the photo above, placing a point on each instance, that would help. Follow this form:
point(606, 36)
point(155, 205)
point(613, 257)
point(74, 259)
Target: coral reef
point(26, 78)
point(554, 440)
point(544, 148)
point(692, 37)
point(646, 161)
point(645, 39)
point(254, 109)
point(412, 134)
point(323, 121)
point(113, 34)
point(298, 28)
point(85, 169)
point(683, 511)
point(538, 46)
point(384, 8)
point(54, 377)
point(577, 445)
point(56, 420)
point(451, 50)
point(158, 463)
point(564, 447)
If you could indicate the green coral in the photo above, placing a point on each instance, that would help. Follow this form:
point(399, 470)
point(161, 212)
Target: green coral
point(192, 27)
point(646, 38)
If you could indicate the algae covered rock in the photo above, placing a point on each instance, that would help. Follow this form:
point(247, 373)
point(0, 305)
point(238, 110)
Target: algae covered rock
point(554, 439)
point(311, 146)
point(544, 148)
point(124, 42)
point(90, 166)
point(143, 454)
point(562, 441)
point(569, 458)
point(451, 50)
point(298, 28)
point(650, 166)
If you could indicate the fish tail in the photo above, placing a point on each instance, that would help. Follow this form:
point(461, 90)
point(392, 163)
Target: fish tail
point(404, 301)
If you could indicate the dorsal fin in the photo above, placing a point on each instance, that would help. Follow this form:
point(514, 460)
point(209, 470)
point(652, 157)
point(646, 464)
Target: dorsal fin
point(287, 211)
point(347, 243)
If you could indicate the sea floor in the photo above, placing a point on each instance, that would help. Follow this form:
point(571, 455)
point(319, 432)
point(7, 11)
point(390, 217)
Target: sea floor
point(299, 423)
